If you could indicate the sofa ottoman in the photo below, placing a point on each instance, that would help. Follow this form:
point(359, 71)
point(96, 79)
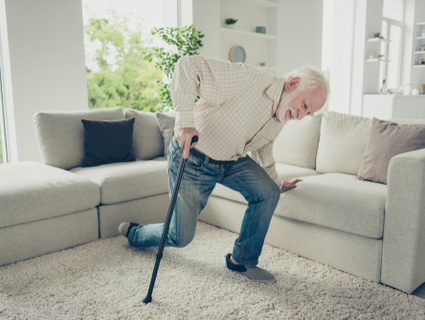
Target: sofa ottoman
point(44, 209)
point(129, 191)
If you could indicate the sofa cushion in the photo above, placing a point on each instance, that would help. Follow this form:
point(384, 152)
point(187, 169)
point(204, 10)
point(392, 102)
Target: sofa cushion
point(298, 141)
point(337, 201)
point(285, 171)
point(342, 144)
point(386, 140)
point(31, 191)
point(108, 141)
point(60, 135)
point(147, 138)
point(127, 181)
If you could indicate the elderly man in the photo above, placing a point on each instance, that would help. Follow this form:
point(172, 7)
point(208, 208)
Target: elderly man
point(241, 109)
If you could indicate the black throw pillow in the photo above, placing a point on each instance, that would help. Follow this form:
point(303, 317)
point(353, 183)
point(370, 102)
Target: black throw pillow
point(108, 142)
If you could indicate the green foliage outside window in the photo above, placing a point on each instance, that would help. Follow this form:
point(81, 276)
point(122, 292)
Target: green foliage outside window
point(128, 81)
point(185, 41)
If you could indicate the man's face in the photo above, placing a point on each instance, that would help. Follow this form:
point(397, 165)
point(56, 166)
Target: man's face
point(297, 104)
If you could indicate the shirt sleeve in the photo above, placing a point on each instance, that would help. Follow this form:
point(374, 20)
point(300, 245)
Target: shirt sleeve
point(213, 80)
point(264, 157)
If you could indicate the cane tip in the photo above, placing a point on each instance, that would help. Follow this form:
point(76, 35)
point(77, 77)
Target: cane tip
point(147, 300)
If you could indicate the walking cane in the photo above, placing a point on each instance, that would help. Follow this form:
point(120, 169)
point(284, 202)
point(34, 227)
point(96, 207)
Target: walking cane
point(167, 225)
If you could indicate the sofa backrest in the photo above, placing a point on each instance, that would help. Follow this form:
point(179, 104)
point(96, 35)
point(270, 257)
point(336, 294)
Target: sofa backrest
point(343, 142)
point(148, 142)
point(297, 142)
point(60, 135)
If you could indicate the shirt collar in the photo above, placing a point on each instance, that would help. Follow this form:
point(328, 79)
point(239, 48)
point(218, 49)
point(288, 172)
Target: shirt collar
point(275, 91)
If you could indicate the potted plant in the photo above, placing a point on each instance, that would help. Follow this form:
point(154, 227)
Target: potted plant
point(187, 42)
point(230, 22)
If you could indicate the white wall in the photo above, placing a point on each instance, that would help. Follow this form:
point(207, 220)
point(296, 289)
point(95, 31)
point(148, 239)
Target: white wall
point(300, 25)
point(359, 46)
point(206, 17)
point(45, 63)
point(342, 55)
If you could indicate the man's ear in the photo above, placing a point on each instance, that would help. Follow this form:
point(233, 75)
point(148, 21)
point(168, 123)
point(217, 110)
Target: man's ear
point(292, 84)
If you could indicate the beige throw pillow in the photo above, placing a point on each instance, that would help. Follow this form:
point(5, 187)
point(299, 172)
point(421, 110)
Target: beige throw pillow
point(147, 138)
point(386, 140)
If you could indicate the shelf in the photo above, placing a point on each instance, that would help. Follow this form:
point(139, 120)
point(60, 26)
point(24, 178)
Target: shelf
point(259, 47)
point(377, 60)
point(419, 38)
point(419, 52)
point(378, 40)
point(246, 33)
point(419, 66)
point(262, 3)
point(420, 24)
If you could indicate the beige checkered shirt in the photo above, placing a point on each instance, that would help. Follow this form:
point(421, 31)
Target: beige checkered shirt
point(236, 111)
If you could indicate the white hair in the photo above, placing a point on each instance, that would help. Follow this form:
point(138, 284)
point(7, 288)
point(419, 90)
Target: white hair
point(311, 78)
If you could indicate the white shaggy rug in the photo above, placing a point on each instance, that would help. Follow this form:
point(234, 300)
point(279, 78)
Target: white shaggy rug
point(108, 279)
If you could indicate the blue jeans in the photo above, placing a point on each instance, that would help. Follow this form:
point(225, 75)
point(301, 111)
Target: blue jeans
point(199, 180)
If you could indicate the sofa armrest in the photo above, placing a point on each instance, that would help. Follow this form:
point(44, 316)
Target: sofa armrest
point(403, 257)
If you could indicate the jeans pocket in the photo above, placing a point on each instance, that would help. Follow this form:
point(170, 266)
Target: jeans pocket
point(176, 156)
point(194, 162)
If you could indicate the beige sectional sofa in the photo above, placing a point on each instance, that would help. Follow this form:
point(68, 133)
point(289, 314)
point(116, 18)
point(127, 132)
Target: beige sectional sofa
point(44, 209)
point(367, 229)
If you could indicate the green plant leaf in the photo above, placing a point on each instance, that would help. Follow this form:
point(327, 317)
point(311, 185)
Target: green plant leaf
point(184, 41)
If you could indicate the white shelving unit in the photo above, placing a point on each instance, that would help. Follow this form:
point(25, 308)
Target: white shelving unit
point(377, 40)
point(377, 60)
point(259, 47)
point(253, 34)
point(373, 49)
point(419, 41)
point(390, 106)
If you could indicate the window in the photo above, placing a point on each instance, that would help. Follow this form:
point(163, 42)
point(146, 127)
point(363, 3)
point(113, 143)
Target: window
point(392, 30)
point(117, 34)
